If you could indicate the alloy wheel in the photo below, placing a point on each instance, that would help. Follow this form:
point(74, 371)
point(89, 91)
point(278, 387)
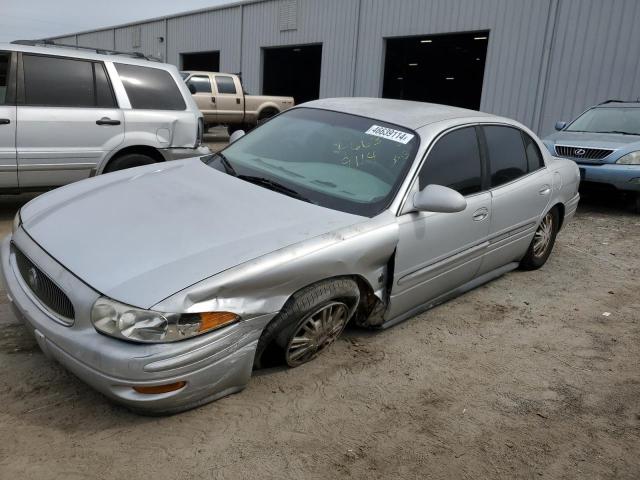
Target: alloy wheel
point(542, 237)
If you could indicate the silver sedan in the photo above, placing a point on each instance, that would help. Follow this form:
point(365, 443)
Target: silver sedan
point(164, 286)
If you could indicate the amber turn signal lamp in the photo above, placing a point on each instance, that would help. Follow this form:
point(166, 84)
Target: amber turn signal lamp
point(155, 389)
point(211, 320)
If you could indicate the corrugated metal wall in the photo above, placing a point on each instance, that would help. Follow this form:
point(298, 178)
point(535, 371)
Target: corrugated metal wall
point(546, 59)
point(218, 30)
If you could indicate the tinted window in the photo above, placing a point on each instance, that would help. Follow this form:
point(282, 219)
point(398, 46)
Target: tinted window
point(201, 84)
point(454, 162)
point(4, 76)
point(506, 154)
point(150, 88)
point(58, 82)
point(104, 94)
point(608, 120)
point(225, 84)
point(534, 157)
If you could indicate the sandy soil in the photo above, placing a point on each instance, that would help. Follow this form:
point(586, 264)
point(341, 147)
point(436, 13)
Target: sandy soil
point(522, 378)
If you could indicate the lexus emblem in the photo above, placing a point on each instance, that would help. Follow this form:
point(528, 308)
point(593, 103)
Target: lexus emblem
point(32, 278)
point(578, 152)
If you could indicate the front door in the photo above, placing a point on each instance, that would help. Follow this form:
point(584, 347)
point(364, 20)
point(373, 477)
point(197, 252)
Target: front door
point(200, 87)
point(438, 252)
point(68, 120)
point(8, 165)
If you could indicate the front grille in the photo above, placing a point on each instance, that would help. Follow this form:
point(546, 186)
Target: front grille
point(582, 153)
point(43, 287)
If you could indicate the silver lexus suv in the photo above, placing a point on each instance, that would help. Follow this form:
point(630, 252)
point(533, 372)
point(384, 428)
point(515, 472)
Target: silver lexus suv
point(68, 113)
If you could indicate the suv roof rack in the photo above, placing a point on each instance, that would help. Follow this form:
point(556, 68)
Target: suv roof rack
point(101, 51)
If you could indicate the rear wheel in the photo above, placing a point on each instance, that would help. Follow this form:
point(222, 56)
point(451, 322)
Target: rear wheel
point(543, 241)
point(266, 114)
point(310, 321)
point(128, 160)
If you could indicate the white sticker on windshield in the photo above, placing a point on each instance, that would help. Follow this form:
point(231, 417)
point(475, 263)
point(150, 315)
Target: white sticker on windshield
point(390, 134)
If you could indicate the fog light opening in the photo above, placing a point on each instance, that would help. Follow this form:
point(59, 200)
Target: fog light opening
point(156, 389)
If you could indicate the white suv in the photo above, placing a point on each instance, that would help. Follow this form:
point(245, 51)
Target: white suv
point(68, 114)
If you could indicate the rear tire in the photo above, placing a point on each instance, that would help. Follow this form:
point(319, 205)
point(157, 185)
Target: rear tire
point(266, 114)
point(542, 242)
point(128, 160)
point(310, 321)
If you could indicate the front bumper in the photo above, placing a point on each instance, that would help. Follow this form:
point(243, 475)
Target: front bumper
point(621, 177)
point(212, 365)
point(180, 153)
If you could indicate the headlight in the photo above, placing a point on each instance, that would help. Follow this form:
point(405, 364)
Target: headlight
point(17, 221)
point(135, 324)
point(632, 158)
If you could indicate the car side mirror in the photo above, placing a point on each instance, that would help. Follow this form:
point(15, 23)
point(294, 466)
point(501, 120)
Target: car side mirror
point(560, 125)
point(436, 198)
point(192, 88)
point(238, 134)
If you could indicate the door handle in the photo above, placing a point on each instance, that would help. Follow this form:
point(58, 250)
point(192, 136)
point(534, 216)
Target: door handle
point(107, 121)
point(4, 121)
point(545, 190)
point(238, 101)
point(213, 99)
point(480, 214)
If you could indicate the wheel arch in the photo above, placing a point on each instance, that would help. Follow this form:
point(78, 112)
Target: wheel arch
point(561, 211)
point(141, 149)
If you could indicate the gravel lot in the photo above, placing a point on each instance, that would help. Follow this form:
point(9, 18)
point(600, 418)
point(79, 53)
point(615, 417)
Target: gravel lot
point(522, 378)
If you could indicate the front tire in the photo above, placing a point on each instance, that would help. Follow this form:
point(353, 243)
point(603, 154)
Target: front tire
point(128, 160)
point(310, 321)
point(543, 241)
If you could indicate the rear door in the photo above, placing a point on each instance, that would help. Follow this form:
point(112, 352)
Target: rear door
point(68, 119)
point(8, 165)
point(520, 190)
point(230, 99)
point(203, 96)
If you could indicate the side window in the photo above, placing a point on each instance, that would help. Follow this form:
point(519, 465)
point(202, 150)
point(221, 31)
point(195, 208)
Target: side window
point(225, 84)
point(150, 88)
point(201, 83)
point(507, 156)
point(57, 82)
point(5, 61)
point(454, 162)
point(534, 157)
point(104, 93)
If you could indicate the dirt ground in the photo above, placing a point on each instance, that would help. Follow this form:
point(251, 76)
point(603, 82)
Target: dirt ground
point(535, 375)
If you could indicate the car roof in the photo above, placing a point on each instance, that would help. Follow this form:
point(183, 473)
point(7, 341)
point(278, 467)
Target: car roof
point(618, 104)
point(64, 51)
point(405, 113)
point(201, 72)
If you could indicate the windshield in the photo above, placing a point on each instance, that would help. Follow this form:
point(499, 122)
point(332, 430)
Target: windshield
point(623, 120)
point(344, 162)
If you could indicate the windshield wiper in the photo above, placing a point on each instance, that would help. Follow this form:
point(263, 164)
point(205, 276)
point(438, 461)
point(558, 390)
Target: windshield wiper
point(619, 132)
point(275, 186)
point(227, 164)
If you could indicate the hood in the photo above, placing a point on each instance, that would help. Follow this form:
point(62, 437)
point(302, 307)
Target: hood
point(595, 140)
point(141, 235)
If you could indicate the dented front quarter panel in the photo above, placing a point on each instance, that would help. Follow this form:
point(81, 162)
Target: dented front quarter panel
point(263, 285)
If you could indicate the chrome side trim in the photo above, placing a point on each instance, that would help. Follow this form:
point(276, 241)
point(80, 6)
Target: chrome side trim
point(55, 166)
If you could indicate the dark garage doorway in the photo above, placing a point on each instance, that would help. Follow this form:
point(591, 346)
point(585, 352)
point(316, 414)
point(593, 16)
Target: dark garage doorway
point(447, 69)
point(205, 61)
point(293, 71)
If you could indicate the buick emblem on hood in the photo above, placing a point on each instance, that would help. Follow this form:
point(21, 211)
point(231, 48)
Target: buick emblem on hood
point(578, 152)
point(32, 278)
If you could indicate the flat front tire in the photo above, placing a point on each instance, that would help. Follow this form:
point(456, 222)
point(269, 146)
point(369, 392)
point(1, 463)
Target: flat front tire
point(310, 321)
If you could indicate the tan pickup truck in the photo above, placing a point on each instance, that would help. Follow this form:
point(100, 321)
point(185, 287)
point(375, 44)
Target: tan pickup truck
point(222, 100)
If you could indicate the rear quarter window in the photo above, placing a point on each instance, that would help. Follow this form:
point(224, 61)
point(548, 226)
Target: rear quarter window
point(150, 88)
point(507, 156)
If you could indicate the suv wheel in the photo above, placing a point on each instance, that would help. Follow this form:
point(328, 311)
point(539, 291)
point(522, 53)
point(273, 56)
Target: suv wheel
point(128, 160)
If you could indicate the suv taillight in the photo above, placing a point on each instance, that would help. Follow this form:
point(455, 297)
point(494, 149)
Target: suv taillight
point(200, 133)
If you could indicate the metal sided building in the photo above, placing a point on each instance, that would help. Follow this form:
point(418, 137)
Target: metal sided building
point(537, 61)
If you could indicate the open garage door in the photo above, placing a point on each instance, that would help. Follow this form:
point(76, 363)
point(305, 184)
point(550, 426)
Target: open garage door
point(293, 71)
point(447, 69)
point(205, 61)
